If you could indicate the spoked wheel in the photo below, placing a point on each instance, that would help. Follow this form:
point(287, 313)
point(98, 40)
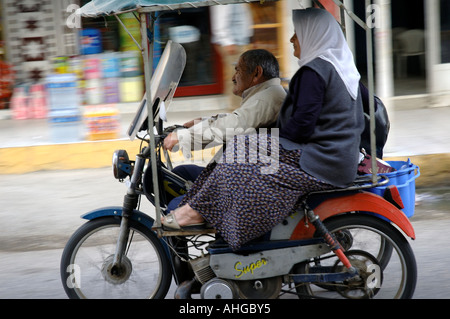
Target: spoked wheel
point(87, 269)
point(383, 254)
point(379, 251)
point(368, 282)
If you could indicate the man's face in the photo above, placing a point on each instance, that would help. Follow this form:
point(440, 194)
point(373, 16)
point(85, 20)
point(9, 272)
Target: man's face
point(242, 80)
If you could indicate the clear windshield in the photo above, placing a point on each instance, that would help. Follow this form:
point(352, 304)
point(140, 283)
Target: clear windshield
point(162, 86)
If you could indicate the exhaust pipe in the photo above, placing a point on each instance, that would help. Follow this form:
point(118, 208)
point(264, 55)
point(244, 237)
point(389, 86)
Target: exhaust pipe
point(184, 289)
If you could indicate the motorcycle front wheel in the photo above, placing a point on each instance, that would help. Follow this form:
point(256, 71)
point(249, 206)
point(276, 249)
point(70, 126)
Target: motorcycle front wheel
point(86, 263)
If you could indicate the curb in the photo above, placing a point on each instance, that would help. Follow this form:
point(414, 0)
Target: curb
point(21, 160)
point(80, 155)
point(434, 168)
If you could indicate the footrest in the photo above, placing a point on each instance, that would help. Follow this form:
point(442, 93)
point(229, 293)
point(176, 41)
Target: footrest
point(167, 233)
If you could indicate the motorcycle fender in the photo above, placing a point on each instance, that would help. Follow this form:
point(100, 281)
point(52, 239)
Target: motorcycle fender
point(363, 202)
point(137, 215)
point(117, 211)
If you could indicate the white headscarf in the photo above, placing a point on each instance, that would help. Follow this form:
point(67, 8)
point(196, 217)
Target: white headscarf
point(320, 35)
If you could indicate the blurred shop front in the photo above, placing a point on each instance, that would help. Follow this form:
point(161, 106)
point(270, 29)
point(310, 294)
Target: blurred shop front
point(191, 28)
point(52, 56)
point(411, 45)
point(47, 55)
point(411, 48)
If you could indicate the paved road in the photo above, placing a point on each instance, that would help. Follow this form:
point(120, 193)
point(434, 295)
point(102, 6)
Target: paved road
point(39, 211)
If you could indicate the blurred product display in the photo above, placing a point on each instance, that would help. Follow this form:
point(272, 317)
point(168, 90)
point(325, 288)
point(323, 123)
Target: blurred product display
point(79, 97)
point(102, 122)
point(6, 84)
point(58, 68)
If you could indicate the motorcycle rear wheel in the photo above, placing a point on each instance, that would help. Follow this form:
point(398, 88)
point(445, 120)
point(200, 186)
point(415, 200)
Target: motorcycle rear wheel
point(369, 234)
point(86, 264)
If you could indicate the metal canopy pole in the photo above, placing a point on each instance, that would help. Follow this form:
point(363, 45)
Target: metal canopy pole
point(370, 80)
point(148, 71)
point(370, 83)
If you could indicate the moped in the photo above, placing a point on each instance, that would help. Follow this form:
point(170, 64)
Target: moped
point(343, 243)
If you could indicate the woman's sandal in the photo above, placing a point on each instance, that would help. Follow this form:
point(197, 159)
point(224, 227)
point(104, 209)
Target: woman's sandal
point(171, 222)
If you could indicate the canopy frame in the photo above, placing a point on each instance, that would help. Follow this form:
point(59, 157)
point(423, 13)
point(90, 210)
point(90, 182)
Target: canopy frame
point(146, 48)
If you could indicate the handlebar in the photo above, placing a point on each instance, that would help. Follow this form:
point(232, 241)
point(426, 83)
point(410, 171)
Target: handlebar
point(172, 128)
point(160, 139)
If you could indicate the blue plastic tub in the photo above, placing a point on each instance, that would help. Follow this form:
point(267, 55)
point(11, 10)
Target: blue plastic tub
point(404, 177)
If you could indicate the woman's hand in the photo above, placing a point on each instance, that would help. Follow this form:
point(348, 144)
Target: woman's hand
point(170, 141)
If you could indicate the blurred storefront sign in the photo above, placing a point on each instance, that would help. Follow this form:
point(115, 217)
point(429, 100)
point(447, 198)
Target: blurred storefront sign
point(35, 33)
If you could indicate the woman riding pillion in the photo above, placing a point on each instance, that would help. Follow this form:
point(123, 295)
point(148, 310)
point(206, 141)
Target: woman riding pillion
point(320, 125)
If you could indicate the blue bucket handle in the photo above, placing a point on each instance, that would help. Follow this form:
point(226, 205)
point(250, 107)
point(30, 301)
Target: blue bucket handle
point(411, 179)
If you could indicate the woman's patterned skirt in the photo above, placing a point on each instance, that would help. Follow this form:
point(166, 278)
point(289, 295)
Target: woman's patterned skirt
point(255, 186)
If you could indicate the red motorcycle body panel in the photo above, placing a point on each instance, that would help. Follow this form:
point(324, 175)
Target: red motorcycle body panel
point(363, 202)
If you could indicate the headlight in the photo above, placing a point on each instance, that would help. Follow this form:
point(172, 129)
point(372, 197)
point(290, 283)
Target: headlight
point(121, 164)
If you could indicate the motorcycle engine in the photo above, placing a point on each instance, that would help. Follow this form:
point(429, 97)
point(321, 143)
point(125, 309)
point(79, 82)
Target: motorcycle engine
point(217, 288)
point(202, 270)
point(212, 287)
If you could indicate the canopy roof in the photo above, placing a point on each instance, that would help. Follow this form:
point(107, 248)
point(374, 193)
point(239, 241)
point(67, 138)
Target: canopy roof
point(109, 7)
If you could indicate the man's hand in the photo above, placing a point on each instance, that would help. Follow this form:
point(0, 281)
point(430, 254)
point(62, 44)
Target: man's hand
point(192, 122)
point(170, 141)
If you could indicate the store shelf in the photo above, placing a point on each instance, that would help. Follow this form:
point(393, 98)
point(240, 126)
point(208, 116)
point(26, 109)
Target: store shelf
point(269, 29)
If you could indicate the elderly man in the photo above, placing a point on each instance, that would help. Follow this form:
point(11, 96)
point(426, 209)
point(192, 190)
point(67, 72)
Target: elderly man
point(256, 81)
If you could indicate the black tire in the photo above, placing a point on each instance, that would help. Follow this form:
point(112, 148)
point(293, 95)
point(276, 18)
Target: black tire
point(88, 253)
point(370, 234)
